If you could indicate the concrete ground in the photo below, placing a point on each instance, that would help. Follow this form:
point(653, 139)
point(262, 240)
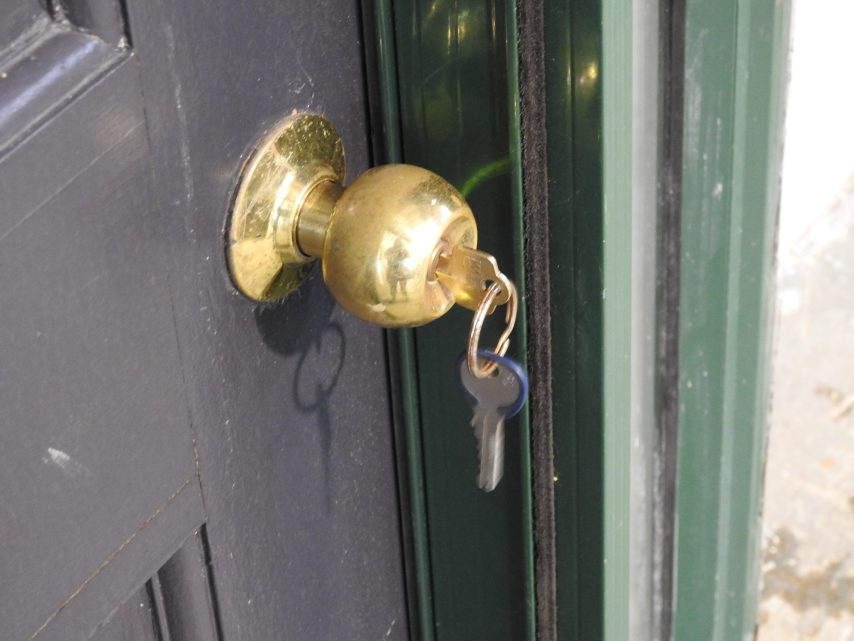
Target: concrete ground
point(808, 556)
point(808, 551)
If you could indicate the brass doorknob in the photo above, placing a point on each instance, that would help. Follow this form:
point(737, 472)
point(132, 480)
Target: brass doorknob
point(397, 246)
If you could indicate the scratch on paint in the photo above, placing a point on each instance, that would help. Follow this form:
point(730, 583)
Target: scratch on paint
point(388, 632)
point(183, 142)
point(64, 462)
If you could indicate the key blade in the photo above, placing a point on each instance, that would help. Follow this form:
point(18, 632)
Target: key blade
point(494, 398)
point(477, 423)
point(465, 271)
point(503, 390)
point(491, 449)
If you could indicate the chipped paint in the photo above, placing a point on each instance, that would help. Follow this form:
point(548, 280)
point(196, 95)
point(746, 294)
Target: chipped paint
point(64, 462)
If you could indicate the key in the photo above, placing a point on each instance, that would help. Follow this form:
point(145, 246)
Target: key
point(467, 272)
point(496, 398)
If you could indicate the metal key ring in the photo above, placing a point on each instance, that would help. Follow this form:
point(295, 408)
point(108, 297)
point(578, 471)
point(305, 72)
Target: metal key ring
point(477, 324)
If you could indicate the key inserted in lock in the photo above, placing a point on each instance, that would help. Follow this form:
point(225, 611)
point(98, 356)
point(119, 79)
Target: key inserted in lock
point(398, 246)
point(468, 273)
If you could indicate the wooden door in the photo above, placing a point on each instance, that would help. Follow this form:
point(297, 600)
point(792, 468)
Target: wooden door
point(177, 462)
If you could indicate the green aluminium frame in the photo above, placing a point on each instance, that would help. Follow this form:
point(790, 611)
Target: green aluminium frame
point(622, 160)
point(735, 73)
point(588, 97)
point(448, 98)
point(449, 95)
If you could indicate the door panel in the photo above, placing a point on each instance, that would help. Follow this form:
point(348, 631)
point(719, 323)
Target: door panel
point(96, 438)
point(19, 19)
point(289, 401)
point(141, 395)
point(135, 620)
point(176, 603)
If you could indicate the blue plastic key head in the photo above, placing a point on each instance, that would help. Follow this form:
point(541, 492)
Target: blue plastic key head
point(495, 397)
point(506, 363)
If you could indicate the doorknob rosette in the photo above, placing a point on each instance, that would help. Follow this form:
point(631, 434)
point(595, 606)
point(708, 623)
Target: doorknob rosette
point(380, 240)
point(299, 154)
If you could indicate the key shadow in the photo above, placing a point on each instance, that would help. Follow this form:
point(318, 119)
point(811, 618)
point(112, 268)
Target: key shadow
point(301, 326)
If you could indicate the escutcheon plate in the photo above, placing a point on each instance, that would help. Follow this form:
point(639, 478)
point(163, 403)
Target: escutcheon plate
point(299, 153)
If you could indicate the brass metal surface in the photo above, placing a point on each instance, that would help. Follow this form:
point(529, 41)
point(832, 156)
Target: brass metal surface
point(382, 244)
point(314, 218)
point(398, 246)
point(468, 274)
point(297, 155)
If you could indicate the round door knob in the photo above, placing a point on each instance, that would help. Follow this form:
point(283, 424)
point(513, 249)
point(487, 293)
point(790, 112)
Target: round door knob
point(379, 240)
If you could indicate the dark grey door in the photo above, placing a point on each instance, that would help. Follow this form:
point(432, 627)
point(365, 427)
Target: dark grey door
point(175, 461)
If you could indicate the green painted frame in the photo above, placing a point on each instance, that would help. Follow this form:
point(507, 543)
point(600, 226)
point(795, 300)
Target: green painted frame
point(734, 83)
point(474, 577)
point(589, 125)
point(448, 97)
point(590, 228)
